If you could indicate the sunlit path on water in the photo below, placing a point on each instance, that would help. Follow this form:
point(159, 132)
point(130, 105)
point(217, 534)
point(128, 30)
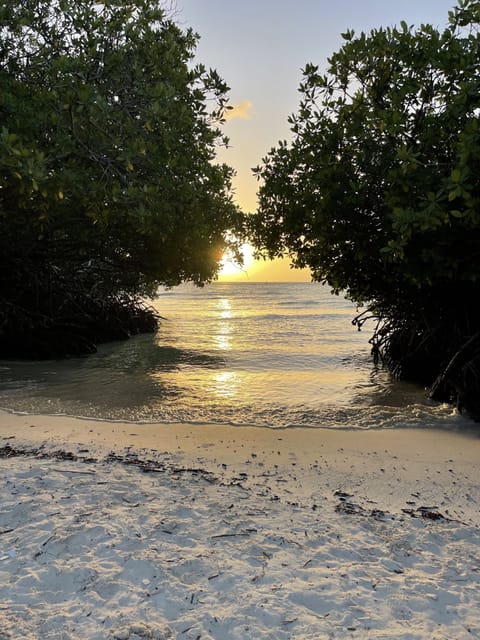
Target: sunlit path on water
point(276, 355)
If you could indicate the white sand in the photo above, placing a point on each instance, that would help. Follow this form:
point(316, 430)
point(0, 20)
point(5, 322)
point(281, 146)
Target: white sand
point(237, 533)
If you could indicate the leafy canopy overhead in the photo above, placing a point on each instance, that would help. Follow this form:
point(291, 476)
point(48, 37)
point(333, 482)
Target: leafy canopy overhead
point(379, 190)
point(108, 136)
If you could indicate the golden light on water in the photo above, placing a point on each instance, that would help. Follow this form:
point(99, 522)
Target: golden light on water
point(225, 308)
point(223, 336)
point(225, 383)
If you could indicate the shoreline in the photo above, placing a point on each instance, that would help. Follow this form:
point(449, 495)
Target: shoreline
point(127, 531)
point(385, 465)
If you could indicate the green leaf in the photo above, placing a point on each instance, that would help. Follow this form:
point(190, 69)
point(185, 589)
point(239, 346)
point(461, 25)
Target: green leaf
point(456, 175)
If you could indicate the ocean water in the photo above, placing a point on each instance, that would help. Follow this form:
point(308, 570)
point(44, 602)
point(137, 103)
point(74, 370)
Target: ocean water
point(277, 355)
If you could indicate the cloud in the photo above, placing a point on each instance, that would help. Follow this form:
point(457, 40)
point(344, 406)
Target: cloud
point(242, 111)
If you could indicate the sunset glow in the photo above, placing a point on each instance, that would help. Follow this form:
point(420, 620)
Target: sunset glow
point(231, 270)
point(253, 270)
point(260, 49)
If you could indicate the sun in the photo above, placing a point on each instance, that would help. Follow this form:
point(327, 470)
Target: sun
point(231, 270)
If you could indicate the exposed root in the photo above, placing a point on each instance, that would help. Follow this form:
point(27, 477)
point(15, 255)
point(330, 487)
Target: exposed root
point(439, 349)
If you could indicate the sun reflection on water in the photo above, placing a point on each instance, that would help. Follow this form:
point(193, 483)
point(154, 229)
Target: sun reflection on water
point(225, 383)
point(225, 308)
point(223, 337)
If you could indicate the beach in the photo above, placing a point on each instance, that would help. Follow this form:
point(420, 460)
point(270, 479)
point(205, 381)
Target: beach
point(121, 530)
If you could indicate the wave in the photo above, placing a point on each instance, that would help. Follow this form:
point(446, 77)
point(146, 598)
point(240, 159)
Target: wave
point(416, 417)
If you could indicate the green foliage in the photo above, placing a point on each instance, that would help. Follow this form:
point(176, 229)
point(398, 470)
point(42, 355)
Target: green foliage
point(107, 147)
point(379, 190)
point(378, 193)
point(108, 180)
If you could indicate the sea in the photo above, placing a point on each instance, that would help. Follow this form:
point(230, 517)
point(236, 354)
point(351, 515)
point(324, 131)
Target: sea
point(276, 355)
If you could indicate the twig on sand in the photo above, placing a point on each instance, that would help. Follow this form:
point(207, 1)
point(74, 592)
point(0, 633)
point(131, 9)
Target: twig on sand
point(259, 576)
point(87, 473)
point(45, 542)
point(188, 629)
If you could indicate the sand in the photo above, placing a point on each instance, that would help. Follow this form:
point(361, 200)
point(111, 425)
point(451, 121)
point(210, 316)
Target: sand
point(115, 530)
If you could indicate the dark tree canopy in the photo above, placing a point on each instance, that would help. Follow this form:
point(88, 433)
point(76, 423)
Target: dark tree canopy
point(108, 180)
point(379, 193)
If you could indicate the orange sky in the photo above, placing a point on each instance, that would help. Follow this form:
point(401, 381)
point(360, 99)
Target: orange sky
point(264, 271)
point(261, 270)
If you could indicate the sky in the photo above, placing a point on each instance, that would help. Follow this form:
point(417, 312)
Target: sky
point(259, 47)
